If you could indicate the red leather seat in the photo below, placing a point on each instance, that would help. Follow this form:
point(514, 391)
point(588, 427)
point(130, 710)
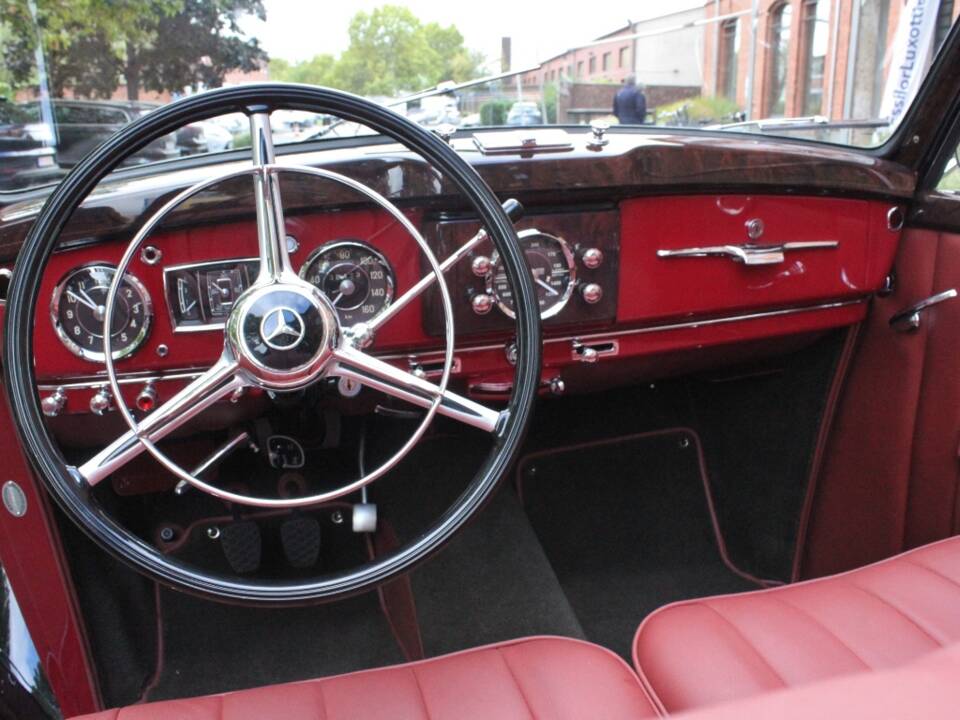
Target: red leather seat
point(927, 688)
point(541, 677)
point(697, 652)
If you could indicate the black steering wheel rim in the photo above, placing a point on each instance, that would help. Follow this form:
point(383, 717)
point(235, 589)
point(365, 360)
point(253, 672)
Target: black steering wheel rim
point(74, 497)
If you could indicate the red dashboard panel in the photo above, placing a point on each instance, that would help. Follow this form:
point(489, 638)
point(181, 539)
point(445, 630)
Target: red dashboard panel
point(654, 288)
point(665, 305)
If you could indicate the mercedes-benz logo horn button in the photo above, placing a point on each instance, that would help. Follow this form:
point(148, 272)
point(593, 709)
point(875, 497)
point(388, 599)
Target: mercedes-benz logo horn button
point(282, 328)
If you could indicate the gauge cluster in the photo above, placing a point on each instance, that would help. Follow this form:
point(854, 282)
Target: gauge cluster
point(200, 297)
point(573, 260)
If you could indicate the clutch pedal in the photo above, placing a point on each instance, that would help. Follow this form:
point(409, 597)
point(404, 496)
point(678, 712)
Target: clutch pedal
point(242, 546)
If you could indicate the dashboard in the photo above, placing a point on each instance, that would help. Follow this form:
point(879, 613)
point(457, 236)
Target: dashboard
point(615, 285)
point(636, 279)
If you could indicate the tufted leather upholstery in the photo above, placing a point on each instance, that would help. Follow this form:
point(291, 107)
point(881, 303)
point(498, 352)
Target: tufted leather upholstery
point(541, 677)
point(698, 652)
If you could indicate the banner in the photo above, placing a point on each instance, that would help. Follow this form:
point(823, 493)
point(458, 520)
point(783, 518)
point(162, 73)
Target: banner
point(909, 56)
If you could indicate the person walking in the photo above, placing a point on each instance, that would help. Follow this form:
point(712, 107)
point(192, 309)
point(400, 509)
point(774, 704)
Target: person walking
point(630, 104)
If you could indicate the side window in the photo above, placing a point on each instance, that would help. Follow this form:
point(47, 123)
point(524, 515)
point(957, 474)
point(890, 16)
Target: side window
point(950, 179)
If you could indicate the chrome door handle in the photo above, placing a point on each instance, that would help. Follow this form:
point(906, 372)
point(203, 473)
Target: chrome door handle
point(908, 319)
point(750, 254)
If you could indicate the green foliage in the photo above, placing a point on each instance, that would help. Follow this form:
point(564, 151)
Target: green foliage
point(390, 51)
point(494, 112)
point(700, 109)
point(155, 44)
point(319, 70)
point(550, 93)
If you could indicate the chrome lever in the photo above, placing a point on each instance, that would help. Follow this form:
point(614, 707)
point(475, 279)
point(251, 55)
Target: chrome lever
point(908, 320)
point(750, 254)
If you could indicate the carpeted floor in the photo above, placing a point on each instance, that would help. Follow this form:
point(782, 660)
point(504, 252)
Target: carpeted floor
point(626, 527)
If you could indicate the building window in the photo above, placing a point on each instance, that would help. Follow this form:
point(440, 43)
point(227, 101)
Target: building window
point(593, 65)
point(606, 61)
point(863, 101)
point(729, 56)
point(580, 68)
point(623, 57)
point(944, 22)
point(816, 34)
point(778, 49)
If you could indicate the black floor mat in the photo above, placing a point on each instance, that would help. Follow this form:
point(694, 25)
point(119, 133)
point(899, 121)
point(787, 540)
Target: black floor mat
point(626, 525)
point(493, 581)
point(211, 648)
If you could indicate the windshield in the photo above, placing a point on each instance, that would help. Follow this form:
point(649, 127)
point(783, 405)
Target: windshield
point(838, 71)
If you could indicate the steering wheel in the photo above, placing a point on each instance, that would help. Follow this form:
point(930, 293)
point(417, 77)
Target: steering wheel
point(282, 334)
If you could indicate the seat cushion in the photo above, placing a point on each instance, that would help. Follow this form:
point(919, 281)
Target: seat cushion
point(698, 652)
point(543, 677)
point(926, 688)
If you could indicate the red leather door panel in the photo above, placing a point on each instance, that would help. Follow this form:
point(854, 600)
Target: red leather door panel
point(890, 476)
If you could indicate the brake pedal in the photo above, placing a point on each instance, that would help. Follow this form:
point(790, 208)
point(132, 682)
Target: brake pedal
point(300, 536)
point(242, 546)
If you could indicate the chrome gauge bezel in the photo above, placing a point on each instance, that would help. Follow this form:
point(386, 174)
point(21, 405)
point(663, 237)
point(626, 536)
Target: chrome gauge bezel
point(91, 355)
point(569, 257)
point(366, 247)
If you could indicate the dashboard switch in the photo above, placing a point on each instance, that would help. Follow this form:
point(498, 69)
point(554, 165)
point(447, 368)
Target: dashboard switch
point(147, 399)
point(592, 258)
point(482, 303)
point(101, 401)
point(53, 405)
point(481, 266)
point(591, 293)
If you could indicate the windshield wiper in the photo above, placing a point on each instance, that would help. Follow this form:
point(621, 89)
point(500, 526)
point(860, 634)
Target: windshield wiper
point(809, 122)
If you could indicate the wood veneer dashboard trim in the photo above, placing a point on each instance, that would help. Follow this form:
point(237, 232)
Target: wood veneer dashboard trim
point(637, 163)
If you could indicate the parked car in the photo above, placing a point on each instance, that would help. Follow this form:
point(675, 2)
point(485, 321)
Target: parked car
point(203, 137)
point(525, 113)
point(82, 125)
point(27, 153)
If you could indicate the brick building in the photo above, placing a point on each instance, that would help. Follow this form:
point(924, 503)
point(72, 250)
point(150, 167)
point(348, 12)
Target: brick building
point(608, 60)
point(809, 57)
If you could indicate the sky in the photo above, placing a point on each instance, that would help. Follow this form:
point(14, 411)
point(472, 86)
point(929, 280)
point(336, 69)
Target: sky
point(299, 29)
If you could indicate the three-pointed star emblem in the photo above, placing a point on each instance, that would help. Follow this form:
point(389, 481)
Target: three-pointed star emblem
point(282, 328)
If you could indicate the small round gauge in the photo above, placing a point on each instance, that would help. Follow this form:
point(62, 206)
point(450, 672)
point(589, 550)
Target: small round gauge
point(553, 268)
point(356, 279)
point(79, 307)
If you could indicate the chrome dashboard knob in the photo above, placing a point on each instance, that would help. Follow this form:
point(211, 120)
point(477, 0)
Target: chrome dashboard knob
point(482, 303)
point(481, 266)
point(52, 405)
point(592, 258)
point(101, 401)
point(591, 293)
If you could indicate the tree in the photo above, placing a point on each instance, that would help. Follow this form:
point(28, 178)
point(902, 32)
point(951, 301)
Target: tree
point(316, 71)
point(154, 44)
point(390, 51)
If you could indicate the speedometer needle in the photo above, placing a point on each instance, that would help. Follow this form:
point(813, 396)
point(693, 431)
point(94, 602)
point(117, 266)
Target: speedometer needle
point(545, 286)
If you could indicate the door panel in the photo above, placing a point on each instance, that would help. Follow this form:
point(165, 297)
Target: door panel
point(889, 478)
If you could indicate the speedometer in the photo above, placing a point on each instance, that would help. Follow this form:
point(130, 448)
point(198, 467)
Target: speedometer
point(79, 307)
point(552, 265)
point(356, 279)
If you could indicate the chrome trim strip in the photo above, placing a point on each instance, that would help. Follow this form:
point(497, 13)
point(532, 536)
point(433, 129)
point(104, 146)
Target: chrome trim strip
point(187, 374)
point(651, 328)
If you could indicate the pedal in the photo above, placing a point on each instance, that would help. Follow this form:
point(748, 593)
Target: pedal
point(364, 517)
point(300, 536)
point(242, 546)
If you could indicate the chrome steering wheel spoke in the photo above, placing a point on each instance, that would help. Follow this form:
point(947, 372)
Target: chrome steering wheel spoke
point(271, 228)
point(379, 375)
point(219, 382)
